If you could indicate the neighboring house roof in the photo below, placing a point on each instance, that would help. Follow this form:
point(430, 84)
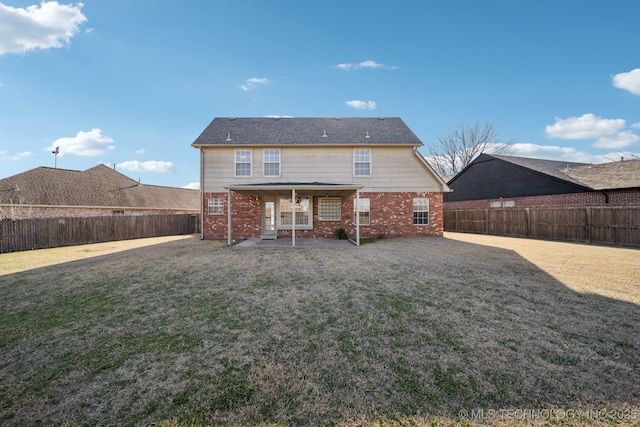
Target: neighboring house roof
point(554, 168)
point(99, 186)
point(495, 176)
point(604, 176)
point(305, 131)
point(608, 176)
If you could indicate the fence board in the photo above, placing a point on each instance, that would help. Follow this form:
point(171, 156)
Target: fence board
point(39, 233)
point(593, 224)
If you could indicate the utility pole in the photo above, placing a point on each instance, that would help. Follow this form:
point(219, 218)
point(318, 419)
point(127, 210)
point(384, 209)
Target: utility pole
point(55, 153)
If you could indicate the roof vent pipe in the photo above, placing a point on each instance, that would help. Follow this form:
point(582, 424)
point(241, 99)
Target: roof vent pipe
point(324, 134)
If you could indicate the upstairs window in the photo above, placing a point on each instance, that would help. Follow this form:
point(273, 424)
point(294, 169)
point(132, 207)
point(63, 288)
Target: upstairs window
point(243, 163)
point(271, 163)
point(362, 162)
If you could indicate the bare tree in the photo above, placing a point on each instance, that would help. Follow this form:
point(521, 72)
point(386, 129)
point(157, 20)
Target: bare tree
point(459, 146)
point(621, 156)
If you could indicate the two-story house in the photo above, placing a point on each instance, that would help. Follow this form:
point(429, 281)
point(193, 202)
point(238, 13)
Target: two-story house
point(308, 177)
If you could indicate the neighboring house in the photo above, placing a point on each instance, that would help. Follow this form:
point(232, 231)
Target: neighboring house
point(508, 181)
point(47, 192)
point(308, 177)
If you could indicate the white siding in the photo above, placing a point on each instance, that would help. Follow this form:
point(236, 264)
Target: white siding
point(392, 168)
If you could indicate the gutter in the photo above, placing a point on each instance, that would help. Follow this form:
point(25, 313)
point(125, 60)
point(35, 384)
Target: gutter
point(445, 186)
point(202, 194)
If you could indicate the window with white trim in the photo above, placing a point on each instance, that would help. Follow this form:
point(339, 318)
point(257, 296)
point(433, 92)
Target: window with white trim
point(502, 204)
point(362, 162)
point(216, 206)
point(271, 162)
point(243, 163)
point(304, 213)
point(364, 208)
point(420, 211)
point(329, 209)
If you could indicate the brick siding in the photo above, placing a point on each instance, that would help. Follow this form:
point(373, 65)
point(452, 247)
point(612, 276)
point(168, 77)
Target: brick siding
point(391, 216)
point(629, 197)
point(29, 212)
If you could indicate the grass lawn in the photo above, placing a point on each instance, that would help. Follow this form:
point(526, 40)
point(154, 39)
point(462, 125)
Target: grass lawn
point(441, 331)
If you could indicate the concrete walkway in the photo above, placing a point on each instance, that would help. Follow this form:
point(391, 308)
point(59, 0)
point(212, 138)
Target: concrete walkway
point(303, 243)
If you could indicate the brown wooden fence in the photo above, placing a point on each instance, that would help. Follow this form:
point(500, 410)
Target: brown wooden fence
point(593, 224)
point(39, 233)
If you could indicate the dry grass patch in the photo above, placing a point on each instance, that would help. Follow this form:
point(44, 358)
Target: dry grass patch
point(397, 332)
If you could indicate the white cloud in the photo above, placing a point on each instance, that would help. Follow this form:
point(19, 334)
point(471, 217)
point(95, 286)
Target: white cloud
point(364, 64)
point(139, 151)
point(568, 154)
point(148, 166)
point(49, 25)
point(192, 186)
point(586, 126)
point(86, 144)
point(22, 155)
point(636, 125)
point(4, 155)
point(628, 81)
point(617, 141)
point(254, 83)
point(362, 105)
point(550, 152)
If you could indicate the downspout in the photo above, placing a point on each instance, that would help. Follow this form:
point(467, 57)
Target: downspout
point(229, 237)
point(357, 217)
point(201, 193)
point(293, 217)
point(606, 197)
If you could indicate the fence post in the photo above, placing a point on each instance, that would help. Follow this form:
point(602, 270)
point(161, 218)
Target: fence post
point(486, 221)
point(588, 208)
point(528, 222)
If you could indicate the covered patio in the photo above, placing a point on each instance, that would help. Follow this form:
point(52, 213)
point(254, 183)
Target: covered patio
point(292, 191)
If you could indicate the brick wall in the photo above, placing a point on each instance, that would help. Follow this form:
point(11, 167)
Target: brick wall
point(30, 212)
point(629, 197)
point(391, 216)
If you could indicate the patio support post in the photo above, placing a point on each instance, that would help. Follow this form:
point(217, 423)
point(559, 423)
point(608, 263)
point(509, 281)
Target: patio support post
point(357, 217)
point(293, 217)
point(229, 218)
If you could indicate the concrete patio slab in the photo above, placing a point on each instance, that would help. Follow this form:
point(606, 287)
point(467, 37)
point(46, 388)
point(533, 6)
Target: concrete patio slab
point(327, 243)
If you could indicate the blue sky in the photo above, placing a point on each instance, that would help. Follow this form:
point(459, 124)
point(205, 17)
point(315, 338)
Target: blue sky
point(133, 83)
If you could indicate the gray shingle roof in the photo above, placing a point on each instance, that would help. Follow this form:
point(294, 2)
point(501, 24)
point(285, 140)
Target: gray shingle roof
point(622, 174)
point(614, 175)
point(99, 186)
point(555, 168)
point(302, 131)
